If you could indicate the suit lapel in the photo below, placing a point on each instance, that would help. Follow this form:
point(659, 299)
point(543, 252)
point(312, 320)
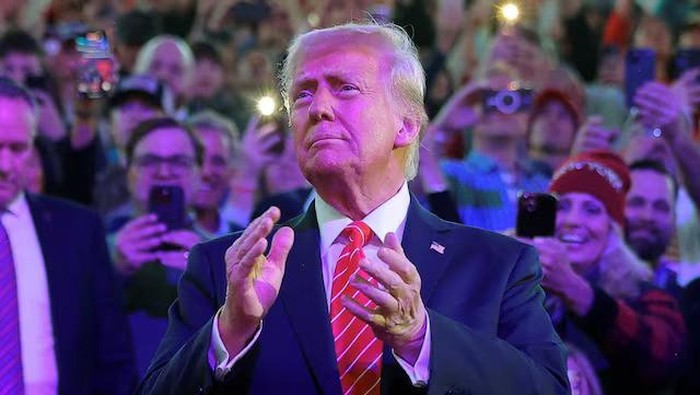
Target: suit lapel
point(304, 300)
point(425, 242)
point(59, 279)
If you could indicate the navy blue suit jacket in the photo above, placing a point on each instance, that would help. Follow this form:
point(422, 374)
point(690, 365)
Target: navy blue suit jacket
point(489, 331)
point(91, 335)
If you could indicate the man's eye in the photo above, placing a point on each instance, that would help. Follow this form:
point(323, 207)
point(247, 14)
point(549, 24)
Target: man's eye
point(348, 88)
point(302, 95)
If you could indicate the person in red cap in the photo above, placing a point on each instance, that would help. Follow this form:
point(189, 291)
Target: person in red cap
point(598, 292)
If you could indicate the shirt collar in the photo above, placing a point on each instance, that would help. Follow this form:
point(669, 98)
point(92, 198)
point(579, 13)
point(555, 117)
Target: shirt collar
point(19, 206)
point(382, 220)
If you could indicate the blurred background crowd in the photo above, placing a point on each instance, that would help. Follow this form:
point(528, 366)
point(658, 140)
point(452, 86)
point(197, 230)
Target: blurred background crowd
point(597, 101)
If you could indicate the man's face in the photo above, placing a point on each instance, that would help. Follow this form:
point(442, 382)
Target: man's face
point(18, 66)
point(216, 169)
point(127, 116)
point(168, 65)
point(16, 125)
point(344, 119)
point(164, 157)
point(552, 134)
point(649, 214)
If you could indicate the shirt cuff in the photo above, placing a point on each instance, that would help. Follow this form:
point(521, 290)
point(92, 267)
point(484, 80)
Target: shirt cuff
point(219, 359)
point(420, 372)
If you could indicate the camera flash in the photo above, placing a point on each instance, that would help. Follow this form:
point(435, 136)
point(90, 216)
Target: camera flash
point(266, 106)
point(510, 12)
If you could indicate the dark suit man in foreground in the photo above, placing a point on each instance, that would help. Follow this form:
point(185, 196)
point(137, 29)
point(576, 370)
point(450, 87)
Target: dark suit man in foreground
point(366, 292)
point(62, 328)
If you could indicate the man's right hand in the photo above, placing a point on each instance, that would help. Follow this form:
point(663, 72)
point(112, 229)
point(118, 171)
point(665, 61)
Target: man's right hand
point(253, 279)
point(136, 241)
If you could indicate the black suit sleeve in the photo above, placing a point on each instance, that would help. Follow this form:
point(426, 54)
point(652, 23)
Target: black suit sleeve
point(526, 357)
point(114, 360)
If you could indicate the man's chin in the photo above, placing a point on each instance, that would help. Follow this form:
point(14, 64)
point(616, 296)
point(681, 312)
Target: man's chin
point(645, 250)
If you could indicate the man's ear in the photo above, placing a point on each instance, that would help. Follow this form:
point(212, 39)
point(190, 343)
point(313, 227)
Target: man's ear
point(409, 132)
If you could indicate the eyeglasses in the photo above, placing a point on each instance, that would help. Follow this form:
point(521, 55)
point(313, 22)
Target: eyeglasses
point(176, 163)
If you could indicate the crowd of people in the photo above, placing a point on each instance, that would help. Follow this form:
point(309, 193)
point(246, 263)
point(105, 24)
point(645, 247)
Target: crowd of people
point(535, 103)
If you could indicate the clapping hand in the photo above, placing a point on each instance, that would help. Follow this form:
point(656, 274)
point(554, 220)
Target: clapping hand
point(253, 279)
point(400, 317)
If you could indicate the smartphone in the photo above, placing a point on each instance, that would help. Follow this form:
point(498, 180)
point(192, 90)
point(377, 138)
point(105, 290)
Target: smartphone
point(640, 68)
point(97, 74)
point(537, 215)
point(167, 202)
point(686, 59)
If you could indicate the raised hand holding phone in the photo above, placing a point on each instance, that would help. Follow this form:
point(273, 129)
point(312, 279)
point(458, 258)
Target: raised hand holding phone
point(97, 74)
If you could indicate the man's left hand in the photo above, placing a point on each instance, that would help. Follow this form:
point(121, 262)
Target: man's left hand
point(400, 317)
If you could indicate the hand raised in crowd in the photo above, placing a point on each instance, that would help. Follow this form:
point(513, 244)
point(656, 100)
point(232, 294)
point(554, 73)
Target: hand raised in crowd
point(400, 317)
point(661, 107)
point(459, 113)
point(256, 144)
point(592, 135)
point(136, 241)
point(687, 89)
point(183, 240)
point(253, 279)
point(50, 122)
point(559, 278)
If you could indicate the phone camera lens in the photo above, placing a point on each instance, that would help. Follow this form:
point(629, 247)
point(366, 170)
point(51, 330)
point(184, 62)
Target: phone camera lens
point(530, 205)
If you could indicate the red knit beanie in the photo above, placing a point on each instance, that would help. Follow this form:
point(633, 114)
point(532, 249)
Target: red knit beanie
point(602, 174)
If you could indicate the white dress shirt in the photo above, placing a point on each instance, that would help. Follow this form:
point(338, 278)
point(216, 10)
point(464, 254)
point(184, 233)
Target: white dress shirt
point(389, 217)
point(36, 329)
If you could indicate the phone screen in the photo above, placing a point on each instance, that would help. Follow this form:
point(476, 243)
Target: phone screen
point(97, 74)
point(640, 67)
point(537, 215)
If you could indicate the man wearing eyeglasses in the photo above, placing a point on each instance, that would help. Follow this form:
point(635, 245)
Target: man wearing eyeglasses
point(151, 235)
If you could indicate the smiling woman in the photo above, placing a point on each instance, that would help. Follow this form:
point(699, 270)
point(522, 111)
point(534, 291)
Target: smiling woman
point(598, 291)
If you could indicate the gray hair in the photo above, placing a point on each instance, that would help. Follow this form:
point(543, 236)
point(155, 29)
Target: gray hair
point(407, 75)
point(210, 119)
point(145, 55)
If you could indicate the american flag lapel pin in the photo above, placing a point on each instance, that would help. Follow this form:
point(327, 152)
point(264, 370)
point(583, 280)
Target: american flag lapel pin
point(437, 247)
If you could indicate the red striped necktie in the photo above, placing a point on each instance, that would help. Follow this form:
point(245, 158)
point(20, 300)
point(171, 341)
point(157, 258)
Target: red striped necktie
point(357, 350)
point(11, 379)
